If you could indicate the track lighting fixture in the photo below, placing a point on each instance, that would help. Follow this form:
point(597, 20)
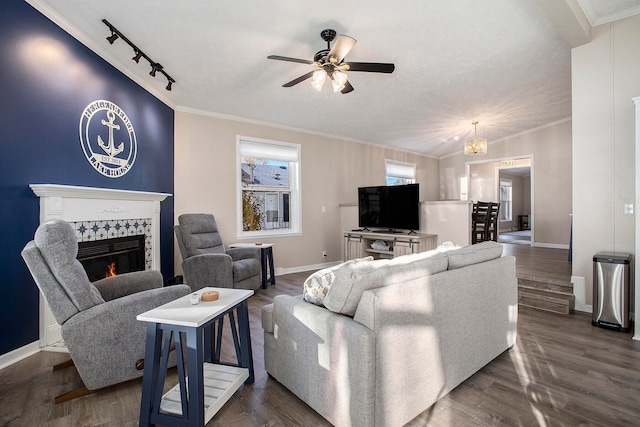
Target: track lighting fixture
point(112, 38)
point(155, 66)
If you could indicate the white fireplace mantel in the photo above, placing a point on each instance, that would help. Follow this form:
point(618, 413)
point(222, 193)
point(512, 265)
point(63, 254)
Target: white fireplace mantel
point(75, 204)
point(72, 191)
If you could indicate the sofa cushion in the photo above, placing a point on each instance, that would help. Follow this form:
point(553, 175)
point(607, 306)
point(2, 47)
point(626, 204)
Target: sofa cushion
point(352, 280)
point(474, 254)
point(317, 285)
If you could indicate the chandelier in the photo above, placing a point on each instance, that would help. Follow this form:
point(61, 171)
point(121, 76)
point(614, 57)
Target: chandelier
point(476, 145)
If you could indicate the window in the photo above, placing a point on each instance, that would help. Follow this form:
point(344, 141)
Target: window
point(269, 188)
point(505, 200)
point(400, 173)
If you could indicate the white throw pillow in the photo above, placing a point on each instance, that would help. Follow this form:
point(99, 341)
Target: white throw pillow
point(317, 285)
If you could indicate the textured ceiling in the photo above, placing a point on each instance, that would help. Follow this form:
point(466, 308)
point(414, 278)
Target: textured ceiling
point(499, 62)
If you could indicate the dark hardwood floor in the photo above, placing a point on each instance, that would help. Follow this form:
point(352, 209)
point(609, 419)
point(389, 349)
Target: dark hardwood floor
point(544, 263)
point(561, 372)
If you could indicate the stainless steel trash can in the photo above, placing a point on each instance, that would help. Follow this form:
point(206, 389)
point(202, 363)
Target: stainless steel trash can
point(611, 291)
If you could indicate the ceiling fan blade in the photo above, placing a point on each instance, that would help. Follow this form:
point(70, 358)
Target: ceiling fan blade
point(347, 88)
point(372, 67)
point(299, 79)
point(340, 48)
point(286, 58)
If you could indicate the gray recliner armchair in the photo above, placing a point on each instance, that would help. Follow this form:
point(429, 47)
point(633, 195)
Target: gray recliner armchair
point(205, 261)
point(98, 320)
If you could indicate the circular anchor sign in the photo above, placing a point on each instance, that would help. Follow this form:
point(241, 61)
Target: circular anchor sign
point(108, 139)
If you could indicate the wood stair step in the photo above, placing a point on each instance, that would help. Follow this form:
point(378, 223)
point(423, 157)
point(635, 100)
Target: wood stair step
point(543, 299)
point(561, 286)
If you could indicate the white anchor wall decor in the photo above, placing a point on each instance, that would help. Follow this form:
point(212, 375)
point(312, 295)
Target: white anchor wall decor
point(113, 164)
point(109, 148)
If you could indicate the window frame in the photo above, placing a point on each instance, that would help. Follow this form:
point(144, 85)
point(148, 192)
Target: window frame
point(509, 202)
point(295, 188)
point(403, 170)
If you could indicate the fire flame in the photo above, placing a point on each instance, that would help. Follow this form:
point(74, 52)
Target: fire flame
point(111, 269)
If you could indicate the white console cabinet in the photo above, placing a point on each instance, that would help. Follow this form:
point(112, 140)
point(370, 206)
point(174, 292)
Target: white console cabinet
point(357, 244)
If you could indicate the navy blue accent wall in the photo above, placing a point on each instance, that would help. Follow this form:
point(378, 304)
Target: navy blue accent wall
point(47, 78)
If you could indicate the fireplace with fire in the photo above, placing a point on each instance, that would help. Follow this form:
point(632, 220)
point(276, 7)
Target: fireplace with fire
point(109, 257)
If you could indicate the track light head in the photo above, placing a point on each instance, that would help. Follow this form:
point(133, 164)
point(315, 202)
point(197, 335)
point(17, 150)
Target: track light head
point(112, 38)
point(169, 85)
point(138, 56)
point(155, 67)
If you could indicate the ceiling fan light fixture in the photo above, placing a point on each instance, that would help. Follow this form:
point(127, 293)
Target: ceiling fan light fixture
point(319, 76)
point(338, 81)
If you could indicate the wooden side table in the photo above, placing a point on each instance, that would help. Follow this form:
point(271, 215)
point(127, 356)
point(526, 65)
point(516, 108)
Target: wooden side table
point(187, 404)
point(266, 260)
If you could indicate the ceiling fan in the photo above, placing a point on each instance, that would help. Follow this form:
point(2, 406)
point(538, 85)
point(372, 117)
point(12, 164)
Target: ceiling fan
point(330, 62)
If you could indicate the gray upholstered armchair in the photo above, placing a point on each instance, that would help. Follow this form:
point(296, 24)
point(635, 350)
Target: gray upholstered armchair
point(98, 320)
point(205, 262)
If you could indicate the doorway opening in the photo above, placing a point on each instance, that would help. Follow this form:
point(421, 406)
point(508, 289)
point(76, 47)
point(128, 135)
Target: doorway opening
point(508, 182)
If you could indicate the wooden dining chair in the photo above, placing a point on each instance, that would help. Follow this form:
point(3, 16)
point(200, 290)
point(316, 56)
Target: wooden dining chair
point(480, 222)
point(492, 221)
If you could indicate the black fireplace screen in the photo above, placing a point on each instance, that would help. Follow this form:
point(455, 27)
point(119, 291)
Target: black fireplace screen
point(104, 258)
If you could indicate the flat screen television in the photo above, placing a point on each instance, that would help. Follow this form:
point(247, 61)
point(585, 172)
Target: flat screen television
point(392, 208)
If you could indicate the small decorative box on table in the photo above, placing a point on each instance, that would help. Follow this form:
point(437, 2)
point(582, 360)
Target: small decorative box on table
point(194, 401)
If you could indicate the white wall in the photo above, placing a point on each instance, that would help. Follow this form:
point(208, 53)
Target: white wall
point(332, 170)
point(550, 148)
point(605, 77)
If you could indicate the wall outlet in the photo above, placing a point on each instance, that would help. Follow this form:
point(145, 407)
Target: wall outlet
point(324, 254)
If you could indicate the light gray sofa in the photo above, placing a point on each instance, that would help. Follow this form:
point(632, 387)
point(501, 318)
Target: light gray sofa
point(397, 334)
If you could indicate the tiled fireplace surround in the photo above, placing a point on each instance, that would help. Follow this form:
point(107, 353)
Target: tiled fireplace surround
point(99, 214)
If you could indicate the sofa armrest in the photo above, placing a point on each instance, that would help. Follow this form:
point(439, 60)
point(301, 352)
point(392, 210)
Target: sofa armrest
point(244, 253)
point(267, 318)
point(208, 270)
point(106, 340)
point(129, 283)
point(312, 349)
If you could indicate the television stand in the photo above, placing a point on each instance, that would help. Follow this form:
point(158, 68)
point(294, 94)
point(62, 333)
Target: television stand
point(357, 244)
point(391, 231)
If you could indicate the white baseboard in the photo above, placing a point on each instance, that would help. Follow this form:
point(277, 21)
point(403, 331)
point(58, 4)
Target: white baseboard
point(550, 245)
point(580, 294)
point(280, 271)
point(18, 354)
